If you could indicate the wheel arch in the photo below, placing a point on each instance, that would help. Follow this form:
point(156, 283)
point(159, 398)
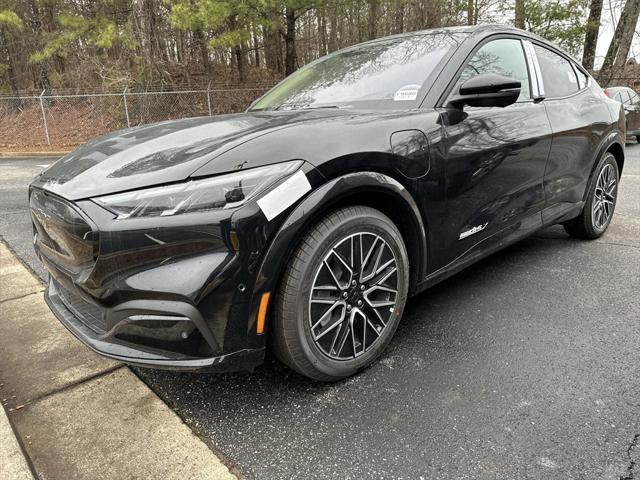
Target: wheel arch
point(612, 143)
point(617, 150)
point(371, 189)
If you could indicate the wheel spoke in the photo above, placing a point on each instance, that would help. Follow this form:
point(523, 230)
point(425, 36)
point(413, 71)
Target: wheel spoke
point(373, 327)
point(374, 254)
point(327, 315)
point(336, 271)
point(356, 253)
point(341, 336)
point(384, 275)
point(373, 314)
point(598, 217)
point(327, 294)
point(363, 340)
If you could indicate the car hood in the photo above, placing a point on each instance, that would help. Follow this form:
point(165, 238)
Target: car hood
point(165, 152)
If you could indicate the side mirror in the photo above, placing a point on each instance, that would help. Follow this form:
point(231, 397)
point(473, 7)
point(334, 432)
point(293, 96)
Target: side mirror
point(487, 90)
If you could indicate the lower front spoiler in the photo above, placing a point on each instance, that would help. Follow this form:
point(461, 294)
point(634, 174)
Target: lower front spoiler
point(246, 359)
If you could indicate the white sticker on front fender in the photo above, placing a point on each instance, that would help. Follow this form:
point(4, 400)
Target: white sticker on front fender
point(284, 195)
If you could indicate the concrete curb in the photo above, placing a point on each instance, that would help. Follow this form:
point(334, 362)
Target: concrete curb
point(26, 155)
point(13, 464)
point(76, 414)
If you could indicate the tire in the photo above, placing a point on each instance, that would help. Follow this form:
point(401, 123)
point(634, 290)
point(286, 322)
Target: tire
point(302, 337)
point(638, 138)
point(590, 224)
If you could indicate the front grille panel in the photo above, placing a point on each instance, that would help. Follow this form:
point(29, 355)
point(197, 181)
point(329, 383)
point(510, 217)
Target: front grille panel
point(86, 312)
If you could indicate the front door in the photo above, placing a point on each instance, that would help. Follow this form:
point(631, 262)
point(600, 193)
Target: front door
point(495, 160)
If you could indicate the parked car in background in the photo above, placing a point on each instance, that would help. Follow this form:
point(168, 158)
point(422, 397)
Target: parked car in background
point(307, 221)
point(630, 101)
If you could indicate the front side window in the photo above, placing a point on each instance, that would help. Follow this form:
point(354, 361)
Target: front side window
point(503, 57)
point(385, 74)
point(635, 98)
point(557, 73)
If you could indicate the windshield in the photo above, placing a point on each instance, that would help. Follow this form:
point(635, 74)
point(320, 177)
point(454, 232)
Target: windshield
point(386, 74)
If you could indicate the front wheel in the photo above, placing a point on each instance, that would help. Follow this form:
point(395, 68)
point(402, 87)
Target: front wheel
point(342, 294)
point(598, 210)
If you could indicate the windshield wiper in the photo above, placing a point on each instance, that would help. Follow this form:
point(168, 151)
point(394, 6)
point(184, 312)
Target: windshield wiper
point(310, 107)
point(293, 106)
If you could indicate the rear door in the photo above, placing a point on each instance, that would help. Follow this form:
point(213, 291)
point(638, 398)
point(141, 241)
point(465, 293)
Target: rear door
point(578, 120)
point(494, 159)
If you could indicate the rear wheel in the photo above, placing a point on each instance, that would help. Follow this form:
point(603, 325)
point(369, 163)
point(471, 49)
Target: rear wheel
point(342, 294)
point(638, 138)
point(598, 210)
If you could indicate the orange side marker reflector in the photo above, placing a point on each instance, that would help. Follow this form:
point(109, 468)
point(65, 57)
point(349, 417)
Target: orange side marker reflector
point(262, 312)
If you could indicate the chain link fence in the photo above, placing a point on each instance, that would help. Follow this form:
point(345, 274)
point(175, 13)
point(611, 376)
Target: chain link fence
point(62, 121)
point(51, 121)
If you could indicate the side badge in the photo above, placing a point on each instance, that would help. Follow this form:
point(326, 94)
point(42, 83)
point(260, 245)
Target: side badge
point(473, 231)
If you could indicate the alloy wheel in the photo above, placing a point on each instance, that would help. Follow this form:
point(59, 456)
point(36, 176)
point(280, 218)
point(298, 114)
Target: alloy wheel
point(353, 295)
point(604, 197)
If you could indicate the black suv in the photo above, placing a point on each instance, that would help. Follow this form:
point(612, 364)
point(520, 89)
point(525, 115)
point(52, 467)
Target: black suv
point(307, 221)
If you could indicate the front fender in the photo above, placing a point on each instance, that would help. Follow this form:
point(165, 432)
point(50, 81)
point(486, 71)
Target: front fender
point(332, 194)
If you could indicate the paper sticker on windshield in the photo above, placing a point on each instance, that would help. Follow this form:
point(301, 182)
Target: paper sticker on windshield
point(408, 92)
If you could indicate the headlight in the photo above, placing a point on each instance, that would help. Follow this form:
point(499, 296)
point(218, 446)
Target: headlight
point(223, 191)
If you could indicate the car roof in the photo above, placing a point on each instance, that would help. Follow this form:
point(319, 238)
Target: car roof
point(480, 31)
point(477, 29)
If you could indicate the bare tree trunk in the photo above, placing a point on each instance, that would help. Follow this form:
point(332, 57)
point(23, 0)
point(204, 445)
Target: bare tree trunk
point(201, 43)
point(399, 20)
point(256, 48)
point(332, 44)
point(620, 43)
point(470, 12)
point(591, 37)
point(372, 18)
point(433, 14)
point(322, 32)
point(240, 63)
point(272, 56)
point(626, 40)
point(11, 69)
point(290, 41)
point(520, 14)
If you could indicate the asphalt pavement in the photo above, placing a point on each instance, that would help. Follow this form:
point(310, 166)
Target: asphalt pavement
point(525, 365)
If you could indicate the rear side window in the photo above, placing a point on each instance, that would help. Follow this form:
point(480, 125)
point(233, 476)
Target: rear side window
point(504, 56)
point(557, 73)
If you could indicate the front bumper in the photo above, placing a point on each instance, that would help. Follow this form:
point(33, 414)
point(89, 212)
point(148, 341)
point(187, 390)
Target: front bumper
point(109, 345)
point(177, 294)
point(180, 292)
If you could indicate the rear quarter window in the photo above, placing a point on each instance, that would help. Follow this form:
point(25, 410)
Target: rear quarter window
point(558, 75)
point(583, 79)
